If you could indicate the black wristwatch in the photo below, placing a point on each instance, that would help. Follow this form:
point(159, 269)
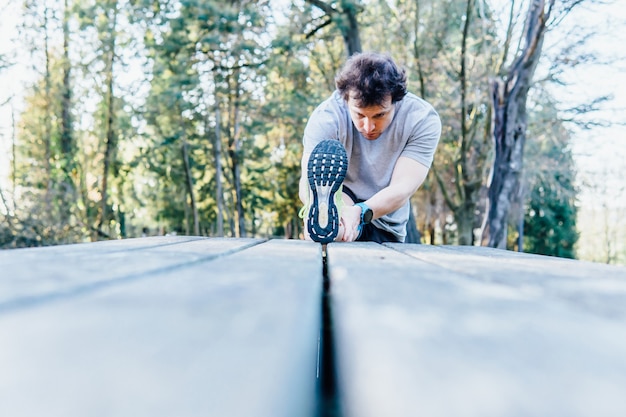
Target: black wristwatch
point(366, 213)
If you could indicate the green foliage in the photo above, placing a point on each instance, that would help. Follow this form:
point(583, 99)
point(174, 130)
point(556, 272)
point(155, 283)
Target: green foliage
point(43, 179)
point(427, 37)
point(550, 223)
point(551, 213)
point(190, 96)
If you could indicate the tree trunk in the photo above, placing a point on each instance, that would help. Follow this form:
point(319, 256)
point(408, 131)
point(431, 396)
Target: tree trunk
point(509, 95)
point(416, 50)
point(186, 211)
point(108, 152)
point(234, 152)
point(347, 23)
point(464, 219)
point(7, 209)
point(464, 215)
point(241, 223)
point(189, 182)
point(509, 137)
point(350, 27)
point(67, 146)
point(47, 119)
point(110, 142)
point(14, 154)
point(217, 153)
point(461, 195)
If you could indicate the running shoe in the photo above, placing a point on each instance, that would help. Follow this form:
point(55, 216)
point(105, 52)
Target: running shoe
point(326, 171)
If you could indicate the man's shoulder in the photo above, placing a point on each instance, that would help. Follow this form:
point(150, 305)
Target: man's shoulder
point(333, 101)
point(333, 106)
point(415, 108)
point(330, 119)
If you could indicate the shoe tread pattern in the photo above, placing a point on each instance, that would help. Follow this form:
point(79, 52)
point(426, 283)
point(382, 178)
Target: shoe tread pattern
point(326, 169)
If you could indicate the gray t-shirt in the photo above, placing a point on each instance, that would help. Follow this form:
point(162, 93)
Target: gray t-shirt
point(414, 133)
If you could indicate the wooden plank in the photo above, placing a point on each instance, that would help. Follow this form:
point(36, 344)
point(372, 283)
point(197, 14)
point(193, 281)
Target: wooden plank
point(233, 335)
point(426, 337)
point(31, 276)
point(477, 260)
point(598, 288)
point(100, 247)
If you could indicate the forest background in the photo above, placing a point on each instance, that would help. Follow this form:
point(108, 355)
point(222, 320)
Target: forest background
point(125, 118)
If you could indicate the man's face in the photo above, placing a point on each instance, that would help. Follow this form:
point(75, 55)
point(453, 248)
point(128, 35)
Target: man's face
point(371, 121)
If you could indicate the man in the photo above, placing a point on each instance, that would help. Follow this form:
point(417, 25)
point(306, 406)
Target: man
point(367, 148)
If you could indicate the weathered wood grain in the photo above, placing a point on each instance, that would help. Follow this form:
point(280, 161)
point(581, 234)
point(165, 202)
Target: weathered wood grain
point(193, 326)
point(196, 335)
point(96, 247)
point(598, 288)
point(436, 332)
point(31, 276)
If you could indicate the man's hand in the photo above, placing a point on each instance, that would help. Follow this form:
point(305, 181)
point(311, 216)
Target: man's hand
point(351, 219)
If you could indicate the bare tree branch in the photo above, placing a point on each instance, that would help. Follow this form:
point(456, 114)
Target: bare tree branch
point(325, 7)
point(316, 29)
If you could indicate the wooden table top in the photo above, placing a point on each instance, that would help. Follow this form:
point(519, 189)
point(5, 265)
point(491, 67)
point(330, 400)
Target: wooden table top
point(190, 326)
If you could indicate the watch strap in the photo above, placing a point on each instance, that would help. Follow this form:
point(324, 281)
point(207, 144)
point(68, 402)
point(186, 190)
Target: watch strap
point(364, 208)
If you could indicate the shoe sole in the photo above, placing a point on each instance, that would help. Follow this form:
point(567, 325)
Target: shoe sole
point(326, 171)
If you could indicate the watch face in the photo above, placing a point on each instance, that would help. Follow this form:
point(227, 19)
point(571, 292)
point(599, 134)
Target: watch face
point(367, 216)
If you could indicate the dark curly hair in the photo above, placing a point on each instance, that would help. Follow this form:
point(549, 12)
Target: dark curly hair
point(371, 77)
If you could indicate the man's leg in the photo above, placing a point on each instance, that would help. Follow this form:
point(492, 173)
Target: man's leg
point(371, 233)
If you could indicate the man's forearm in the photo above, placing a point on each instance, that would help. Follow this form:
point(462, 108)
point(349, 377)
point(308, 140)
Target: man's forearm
point(407, 177)
point(387, 200)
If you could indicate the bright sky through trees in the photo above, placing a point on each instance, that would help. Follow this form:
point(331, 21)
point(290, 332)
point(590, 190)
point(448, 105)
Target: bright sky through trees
point(600, 152)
